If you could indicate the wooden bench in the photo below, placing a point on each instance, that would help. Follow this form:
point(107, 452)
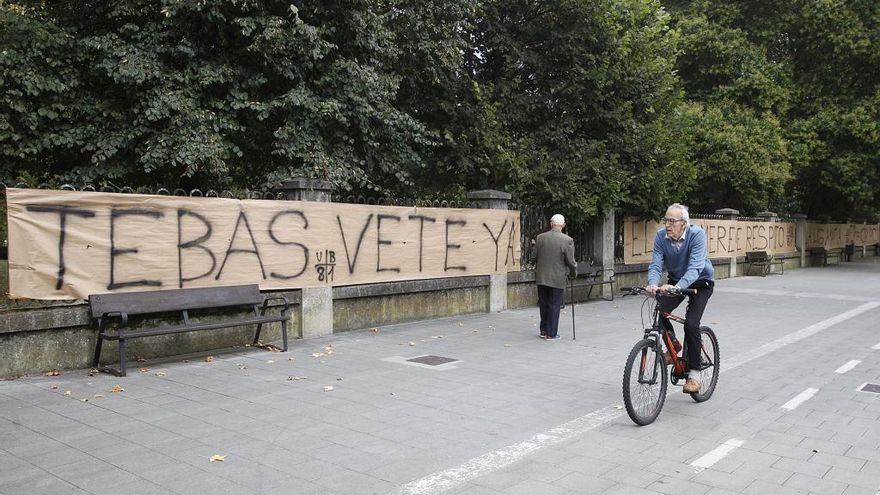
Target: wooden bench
point(111, 312)
point(589, 277)
point(824, 254)
point(764, 261)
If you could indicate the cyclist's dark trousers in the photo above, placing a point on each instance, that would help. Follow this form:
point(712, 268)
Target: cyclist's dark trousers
point(695, 308)
point(549, 301)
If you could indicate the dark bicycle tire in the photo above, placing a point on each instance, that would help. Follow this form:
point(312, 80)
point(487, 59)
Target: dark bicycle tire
point(644, 400)
point(710, 360)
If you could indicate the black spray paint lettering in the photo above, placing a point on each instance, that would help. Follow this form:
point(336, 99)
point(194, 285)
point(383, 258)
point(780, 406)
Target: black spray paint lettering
point(255, 251)
point(422, 219)
point(449, 246)
point(380, 242)
point(304, 248)
point(495, 240)
point(62, 212)
point(351, 261)
point(512, 238)
point(195, 243)
point(114, 251)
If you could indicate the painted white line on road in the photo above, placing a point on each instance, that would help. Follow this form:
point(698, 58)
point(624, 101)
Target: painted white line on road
point(799, 335)
point(848, 366)
point(788, 293)
point(716, 454)
point(800, 398)
point(876, 346)
point(498, 459)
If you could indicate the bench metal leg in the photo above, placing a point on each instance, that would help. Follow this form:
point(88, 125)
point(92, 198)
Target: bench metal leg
point(98, 347)
point(284, 335)
point(121, 357)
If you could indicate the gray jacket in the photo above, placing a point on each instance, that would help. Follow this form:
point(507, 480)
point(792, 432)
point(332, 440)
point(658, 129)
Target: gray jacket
point(554, 252)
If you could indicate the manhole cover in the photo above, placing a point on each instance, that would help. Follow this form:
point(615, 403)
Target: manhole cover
point(871, 387)
point(432, 360)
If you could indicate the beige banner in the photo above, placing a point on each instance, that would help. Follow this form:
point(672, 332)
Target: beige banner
point(67, 245)
point(726, 237)
point(837, 235)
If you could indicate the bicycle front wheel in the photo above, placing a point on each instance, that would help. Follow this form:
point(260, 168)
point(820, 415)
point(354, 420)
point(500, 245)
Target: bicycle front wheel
point(710, 359)
point(644, 382)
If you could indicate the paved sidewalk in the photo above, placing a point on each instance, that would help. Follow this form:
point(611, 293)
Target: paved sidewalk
point(510, 413)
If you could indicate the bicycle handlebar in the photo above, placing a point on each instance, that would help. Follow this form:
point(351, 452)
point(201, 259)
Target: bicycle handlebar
point(635, 291)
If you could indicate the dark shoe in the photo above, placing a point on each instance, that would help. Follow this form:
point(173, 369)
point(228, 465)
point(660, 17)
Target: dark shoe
point(691, 386)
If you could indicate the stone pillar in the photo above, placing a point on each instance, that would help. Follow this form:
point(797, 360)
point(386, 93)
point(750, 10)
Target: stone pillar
point(316, 308)
point(489, 199)
point(730, 214)
point(603, 245)
point(301, 189)
point(493, 200)
point(800, 237)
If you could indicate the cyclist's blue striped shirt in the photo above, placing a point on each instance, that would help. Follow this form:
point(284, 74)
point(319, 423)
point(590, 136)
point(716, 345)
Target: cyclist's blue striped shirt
point(687, 264)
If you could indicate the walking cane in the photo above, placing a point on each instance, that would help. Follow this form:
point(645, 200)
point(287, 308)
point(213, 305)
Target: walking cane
point(573, 334)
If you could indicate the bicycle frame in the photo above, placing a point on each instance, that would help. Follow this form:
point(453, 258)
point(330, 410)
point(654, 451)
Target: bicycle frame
point(658, 331)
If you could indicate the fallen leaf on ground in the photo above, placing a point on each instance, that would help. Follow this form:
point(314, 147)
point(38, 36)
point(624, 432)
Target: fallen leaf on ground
point(290, 359)
point(144, 370)
point(318, 354)
point(84, 400)
point(99, 396)
point(295, 378)
point(374, 330)
point(328, 388)
point(460, 324)
point(117, 388)
point(160, 373)
point(267, 346)
point(55, 387)
point(93, 372)
point(141, 360)
point(270, 361)
point(412, 343)
point(53, 373)
point(67, 392)
point(618, 407)
point(508, 345)
point(209, 359)
point(218, 458)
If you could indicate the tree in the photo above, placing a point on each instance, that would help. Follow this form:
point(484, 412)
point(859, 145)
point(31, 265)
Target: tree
point(206, 93)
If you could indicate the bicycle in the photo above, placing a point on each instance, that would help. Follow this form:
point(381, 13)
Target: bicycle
point(645, 383)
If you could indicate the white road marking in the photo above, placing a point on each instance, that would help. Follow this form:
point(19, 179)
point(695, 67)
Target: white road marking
point(848, 366)
point(492, 461)
point(876, 346)
point(716, 454)
point(800, 398)
point(497, 459)
point(799, 335)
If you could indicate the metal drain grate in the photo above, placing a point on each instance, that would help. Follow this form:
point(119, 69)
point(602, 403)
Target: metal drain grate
point(870, 387)
point(432, 360)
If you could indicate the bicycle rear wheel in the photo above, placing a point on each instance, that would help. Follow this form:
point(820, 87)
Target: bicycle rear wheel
point(644, 382)
point(710, 358)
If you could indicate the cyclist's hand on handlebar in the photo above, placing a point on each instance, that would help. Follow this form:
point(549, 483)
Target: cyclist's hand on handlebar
point(651, 290)
point(667, 290)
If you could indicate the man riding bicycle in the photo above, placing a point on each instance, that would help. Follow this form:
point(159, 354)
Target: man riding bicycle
point(682, 249)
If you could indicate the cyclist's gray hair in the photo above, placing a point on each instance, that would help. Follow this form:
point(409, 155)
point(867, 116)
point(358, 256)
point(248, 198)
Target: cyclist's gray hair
point(683, 209)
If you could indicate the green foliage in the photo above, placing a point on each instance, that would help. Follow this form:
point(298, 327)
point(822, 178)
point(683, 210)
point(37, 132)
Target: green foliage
point(808, 72)
point(214, 93)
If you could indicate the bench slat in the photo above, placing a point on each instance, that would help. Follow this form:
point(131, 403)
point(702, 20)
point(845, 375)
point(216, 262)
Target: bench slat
point(192, 328)
point(138, 303)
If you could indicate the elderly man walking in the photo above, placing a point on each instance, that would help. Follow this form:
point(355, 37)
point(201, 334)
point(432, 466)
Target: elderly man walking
point(554, 253)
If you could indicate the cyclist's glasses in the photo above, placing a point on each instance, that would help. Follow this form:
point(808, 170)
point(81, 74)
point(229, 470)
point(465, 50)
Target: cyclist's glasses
point(671, 221)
